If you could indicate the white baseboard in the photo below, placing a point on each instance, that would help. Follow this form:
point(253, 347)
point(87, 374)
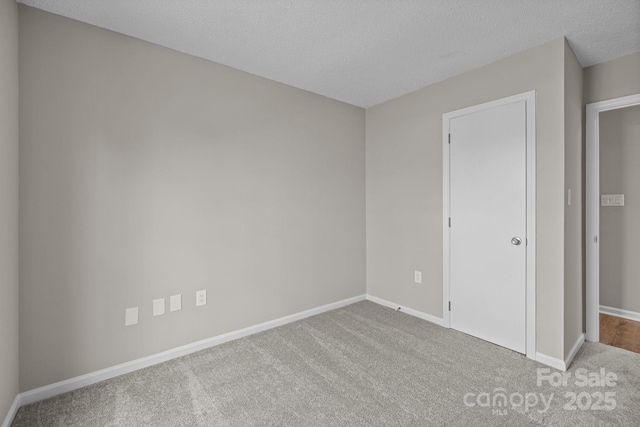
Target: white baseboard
point(551, 361)
point(618, 312)
point(540, 357)
point(574, 350)
point(55, 389)
point(560, 364)
point(424, 316)
point(12, 412)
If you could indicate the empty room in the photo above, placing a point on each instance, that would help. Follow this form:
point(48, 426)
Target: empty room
point(319, 213)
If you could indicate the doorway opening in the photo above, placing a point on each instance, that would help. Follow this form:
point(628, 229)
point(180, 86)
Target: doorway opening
point(614, 319)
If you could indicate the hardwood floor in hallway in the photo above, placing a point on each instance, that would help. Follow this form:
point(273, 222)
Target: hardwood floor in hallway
point(620, 332)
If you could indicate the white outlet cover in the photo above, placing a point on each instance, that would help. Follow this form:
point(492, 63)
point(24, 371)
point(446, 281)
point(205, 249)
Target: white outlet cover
point(131, 316)
point(175, 302)
point(417, 276)
point(158, 307)
point(201, 297)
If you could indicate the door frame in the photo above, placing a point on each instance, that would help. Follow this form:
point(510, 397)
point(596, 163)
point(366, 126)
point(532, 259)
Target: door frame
point(592, 206)
point(530, 278)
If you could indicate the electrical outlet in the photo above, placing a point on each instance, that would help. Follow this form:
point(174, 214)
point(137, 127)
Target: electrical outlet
point(201, 298)
point(417, 276)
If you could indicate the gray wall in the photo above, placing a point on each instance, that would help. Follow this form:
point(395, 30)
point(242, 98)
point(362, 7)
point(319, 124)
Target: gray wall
point(619, 226)
point(612, 79)
point(573, 241)
point(404, 184)
point(8, 205)
point(147, 173)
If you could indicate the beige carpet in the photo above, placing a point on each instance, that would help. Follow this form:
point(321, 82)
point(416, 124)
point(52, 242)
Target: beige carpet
point(362, 365)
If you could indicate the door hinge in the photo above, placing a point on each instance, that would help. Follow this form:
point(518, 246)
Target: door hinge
point(449, 138)
point(449, 222)
point(449, 305)
point(595, 239)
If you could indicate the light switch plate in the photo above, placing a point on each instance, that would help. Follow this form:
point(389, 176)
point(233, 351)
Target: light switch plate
point(175, 302)
point(612, 200)
point(158, 306)
point(131, 316)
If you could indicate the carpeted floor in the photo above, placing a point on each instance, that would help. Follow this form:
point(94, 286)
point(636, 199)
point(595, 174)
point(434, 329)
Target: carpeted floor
point(362, 365)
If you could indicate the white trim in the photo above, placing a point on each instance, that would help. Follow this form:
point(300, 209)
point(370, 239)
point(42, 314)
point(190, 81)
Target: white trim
point(446, 209)
point(419, 314)
point(531, 225)
point(592, 205)
point(560, 364)
point(619, 312)
point(539, 357)
point(134, 365)
point(446, 213)
point(574, 350)
point(554, 362)
point(13, 409)
point(530, 102)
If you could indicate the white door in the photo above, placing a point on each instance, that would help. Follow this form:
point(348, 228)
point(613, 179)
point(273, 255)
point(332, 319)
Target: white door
point(487, 276)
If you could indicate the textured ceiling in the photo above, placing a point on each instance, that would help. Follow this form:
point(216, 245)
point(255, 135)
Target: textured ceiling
point(364, 52)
